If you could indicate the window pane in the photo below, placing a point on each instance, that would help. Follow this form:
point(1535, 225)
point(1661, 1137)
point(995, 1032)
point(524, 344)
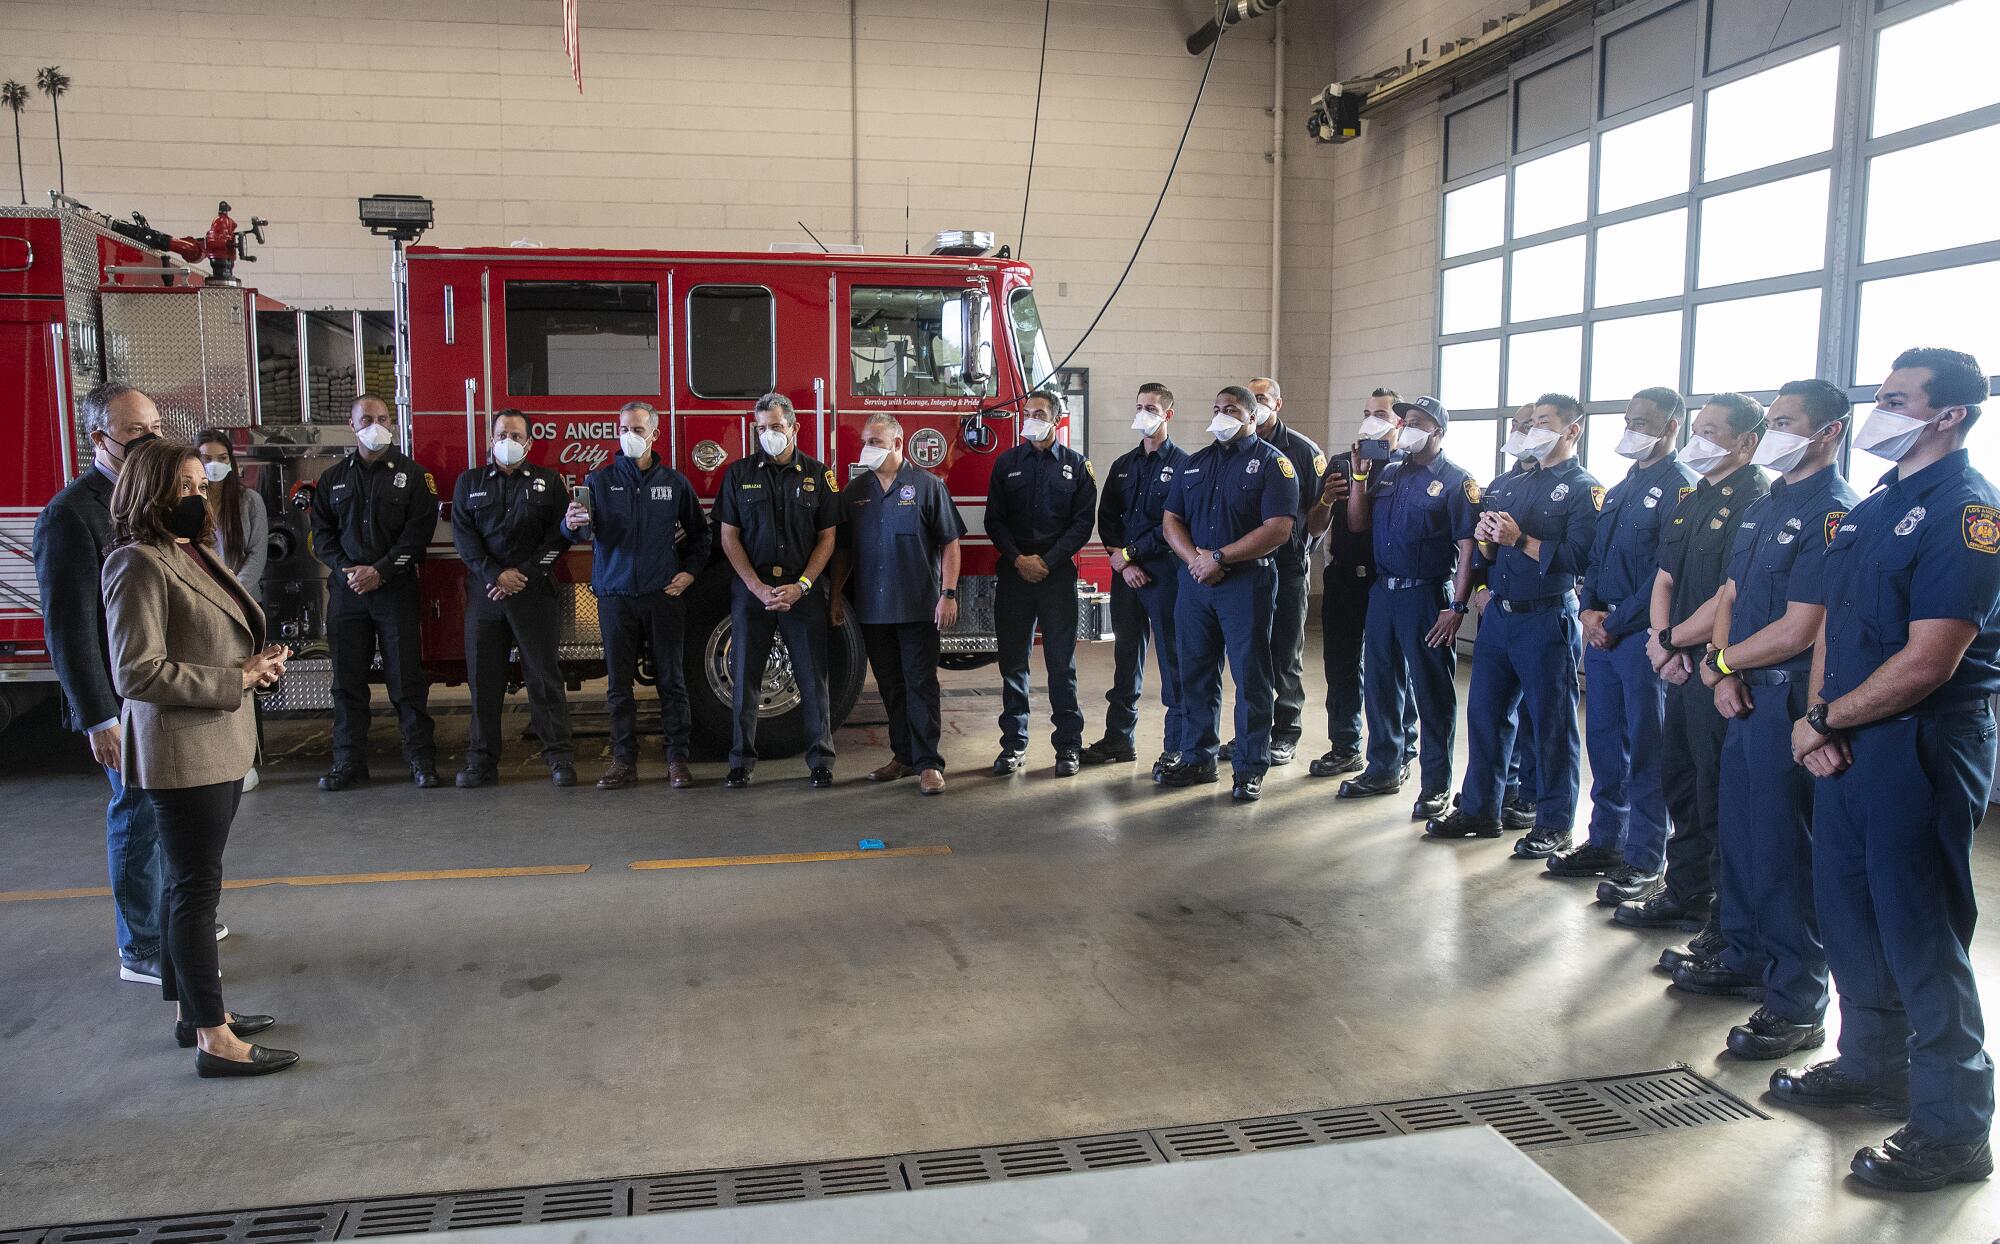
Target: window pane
point(598, 338)
point(1768, 230)
point(1600, 448)
point(1544, 362)
point(1469, 375)
point(330, 366)
point(1029, 338)
point(1629, 354)
point(1475, 217)
point(1907, 214)
point(1471, 297)
point(1756, 343)
point(912, 342)
point(1741, 29)
point(1645, 160)
point(1770, 117)
point(1475, 445)
point(1548, 280)
point(1649, 60)
point(1952, 307)
point(1641, 259)
point(1552, 103)
point(1475, 138)
point(731, 347)
point(1936, 65)
point(1551, 192)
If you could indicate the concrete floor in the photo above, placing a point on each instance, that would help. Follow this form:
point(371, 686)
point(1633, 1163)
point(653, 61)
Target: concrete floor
point(1093, 955)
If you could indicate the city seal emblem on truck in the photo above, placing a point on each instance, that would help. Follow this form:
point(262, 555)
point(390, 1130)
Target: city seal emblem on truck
point(709, 456)
point(927, 448)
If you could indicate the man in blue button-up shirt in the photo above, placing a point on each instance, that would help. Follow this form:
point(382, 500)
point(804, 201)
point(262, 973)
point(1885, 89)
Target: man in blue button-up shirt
point(649, 542)
point(1040, 505)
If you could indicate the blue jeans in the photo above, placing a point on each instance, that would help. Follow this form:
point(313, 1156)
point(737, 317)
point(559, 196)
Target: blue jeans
point(132, 845)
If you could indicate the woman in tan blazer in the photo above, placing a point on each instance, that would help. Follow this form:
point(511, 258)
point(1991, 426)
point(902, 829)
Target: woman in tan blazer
point(187, 652)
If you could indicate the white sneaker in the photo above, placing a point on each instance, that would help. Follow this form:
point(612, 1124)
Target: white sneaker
point(250, 781)
point(144, 971)
point(221, 930)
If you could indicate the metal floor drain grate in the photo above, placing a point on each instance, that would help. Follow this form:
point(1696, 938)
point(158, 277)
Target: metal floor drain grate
point(1537, 1116)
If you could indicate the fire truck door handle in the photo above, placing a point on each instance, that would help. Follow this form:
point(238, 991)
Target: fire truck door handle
point(471, 423)
point(59, 372)
point(450, 316)
point(819, 413)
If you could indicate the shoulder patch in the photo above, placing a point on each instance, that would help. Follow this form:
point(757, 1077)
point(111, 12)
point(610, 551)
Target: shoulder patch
point(1982, 528)
point(1833, 518)
point(1319, 464)
point(1686, 492)
point(1285, 467)
point(430, 482)
point(832, 483)
point(1472, 492)
point(1088, 469)
point(1597, 496)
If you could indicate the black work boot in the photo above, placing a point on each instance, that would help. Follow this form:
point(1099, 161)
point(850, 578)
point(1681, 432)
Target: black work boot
point(1770, 1035)
point(1910, 1161)
point(1825, 1085)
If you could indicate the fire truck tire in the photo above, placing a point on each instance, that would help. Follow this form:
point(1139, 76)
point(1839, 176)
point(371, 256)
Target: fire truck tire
point(781, 728)
point(15, 702)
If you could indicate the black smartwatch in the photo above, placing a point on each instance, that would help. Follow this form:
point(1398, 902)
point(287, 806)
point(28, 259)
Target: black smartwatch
point(1816, 718)
point(1220, 560)
point(1460, 608)
point(1666, 637)
point(951, 593)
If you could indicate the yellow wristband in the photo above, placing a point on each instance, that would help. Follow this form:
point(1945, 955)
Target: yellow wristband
point(1126, 552)
point(1721, 665)
point(805, 583)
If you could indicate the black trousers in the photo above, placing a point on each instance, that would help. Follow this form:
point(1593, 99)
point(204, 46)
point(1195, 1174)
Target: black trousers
point(904, 656)
point(357, 625)
point(529, 620)
point(1343, 615)
point(194, 827)
point(1691, 776)
point(627, 624)
point(1288, 648)
point(753, 627)
point(1019, 608)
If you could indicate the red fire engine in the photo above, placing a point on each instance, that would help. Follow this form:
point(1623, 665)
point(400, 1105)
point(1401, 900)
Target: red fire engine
point(946, 342)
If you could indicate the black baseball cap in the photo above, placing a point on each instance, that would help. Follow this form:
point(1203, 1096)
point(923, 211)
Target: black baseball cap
point(1430, 406)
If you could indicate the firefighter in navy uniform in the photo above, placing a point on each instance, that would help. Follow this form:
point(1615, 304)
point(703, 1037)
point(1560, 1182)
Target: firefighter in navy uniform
point(372, 517)
point(1294, 562)
point(506, 521)
point(777, 511)
point(1901, 734)
point(1757, 667)
point(1422, 508)
point(1145, 582)
point(1231, 507)
point(1524, 664)
point(1041, 504)
point(649, 543)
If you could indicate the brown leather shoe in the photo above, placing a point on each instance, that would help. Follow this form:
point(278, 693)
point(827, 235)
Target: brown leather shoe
point(890, 772)
point(618, 776)
point(930, 782)
point(679, 774)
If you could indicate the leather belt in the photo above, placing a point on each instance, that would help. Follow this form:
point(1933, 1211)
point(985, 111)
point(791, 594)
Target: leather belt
point(1965, 708)
point(1537, 605)
point(1395, 584)
point(1764, 678)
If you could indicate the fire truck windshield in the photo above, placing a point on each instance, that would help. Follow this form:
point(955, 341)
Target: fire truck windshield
point(1029, 339)
point(911, 342)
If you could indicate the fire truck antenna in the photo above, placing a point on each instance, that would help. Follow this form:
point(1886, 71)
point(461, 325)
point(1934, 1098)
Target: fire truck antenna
point(906, 215)
point(814, 237)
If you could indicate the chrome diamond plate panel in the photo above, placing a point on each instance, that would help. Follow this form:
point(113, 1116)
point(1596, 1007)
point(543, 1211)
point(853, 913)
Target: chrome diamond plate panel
point(188, 349)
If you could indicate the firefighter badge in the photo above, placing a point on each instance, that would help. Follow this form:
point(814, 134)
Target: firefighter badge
point(1982, 529)
point(1436, 489)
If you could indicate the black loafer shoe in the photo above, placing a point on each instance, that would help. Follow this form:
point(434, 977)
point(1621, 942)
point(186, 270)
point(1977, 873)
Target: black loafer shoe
point(1247, 789)
point(1626, 884)
point(1008, 762)
point(344, 777)
point(1068, 764)
point(1715, 979)
point(1461, 824)
point(1662, 912)
point(1333, 764)
point(737, 778)
point(1105, 752)
point(1588, 860)
point(1824, 1085)
point(1541, 844)
point(618, 777)
point(1518, 814)
point(262, 1062)
point(470, 778)
point(822, 777)
point(244, 1026)
point(1706, 944)
point(1163, 762)
point(1284, 753)
point(1770, 1035)
point(1430, 805)
point(1365, 787)
point(562, 773)
point(1910, 1161)
point(426, 778)
point(1189, 775)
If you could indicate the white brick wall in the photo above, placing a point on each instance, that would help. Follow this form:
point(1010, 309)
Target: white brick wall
point(717, 125)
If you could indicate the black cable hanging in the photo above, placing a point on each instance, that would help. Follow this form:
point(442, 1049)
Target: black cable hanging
point(1034, 135)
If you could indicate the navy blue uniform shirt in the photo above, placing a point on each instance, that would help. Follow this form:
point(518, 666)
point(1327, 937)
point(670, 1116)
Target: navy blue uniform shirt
point(1229, 489)
point(1135, 496)
point(896, 541)
point(509, 522)
point(1625, 557)
point(1419, 514)
point(778, 511)
point(1309, 464)
point(646, 527)
point(1040, 502)
point(1920, 548)
point(1557, 505)
point(381, 514)
point(1790, 527)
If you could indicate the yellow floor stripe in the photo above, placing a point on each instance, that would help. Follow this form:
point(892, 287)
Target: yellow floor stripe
point(251, 883)
point(802, 857)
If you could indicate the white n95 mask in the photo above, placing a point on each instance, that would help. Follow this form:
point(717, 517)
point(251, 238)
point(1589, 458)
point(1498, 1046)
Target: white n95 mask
point(509, 453)
point(1412, 440)
point(1636, 444)
point(634, 444)
point(375, 438)
point(873, 456)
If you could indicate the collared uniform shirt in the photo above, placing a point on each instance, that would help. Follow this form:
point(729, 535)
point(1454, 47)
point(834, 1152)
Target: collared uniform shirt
point(646, 528)
point(1625, 557)
point(1789, 528)
point(778, 511)
point(1135, 498)
point(1557, 505)
point(510, 522)
point(1041, 502)
point(1309, 464)
point(1922, 548)
point(1230, 488)
point(379, 514)
point(1696, 544)
point(896, 541)
point(1419, 514)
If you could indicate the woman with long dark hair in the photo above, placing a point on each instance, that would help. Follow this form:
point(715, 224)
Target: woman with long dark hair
point(187, 654)
point(242, 525)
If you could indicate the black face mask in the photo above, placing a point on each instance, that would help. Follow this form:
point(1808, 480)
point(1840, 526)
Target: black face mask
point(188, 517)
point(125, 447)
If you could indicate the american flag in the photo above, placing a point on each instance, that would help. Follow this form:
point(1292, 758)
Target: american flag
point(573, 43)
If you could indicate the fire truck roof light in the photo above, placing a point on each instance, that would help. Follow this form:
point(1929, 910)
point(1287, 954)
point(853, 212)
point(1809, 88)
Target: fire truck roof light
point(401, 216)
